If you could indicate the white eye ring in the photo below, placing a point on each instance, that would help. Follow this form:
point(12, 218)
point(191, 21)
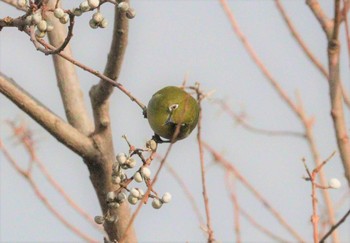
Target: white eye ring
point(173, 107)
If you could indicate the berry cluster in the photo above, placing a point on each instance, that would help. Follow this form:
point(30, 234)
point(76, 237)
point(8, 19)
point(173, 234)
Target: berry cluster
point(37, 18)
point(119, 177)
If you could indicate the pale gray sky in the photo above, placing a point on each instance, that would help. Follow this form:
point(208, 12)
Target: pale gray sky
point(167, 40)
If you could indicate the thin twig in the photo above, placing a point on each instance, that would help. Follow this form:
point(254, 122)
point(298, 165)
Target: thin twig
point(337, 110)
point(42, 197)
point(346, 5)
point(14, 4)
point(24, 135)
point(261, 227)
point(254, 56)
point(98, 74)
point(322, 18)
point(240, 119)
point(201, 157)
point(65, 133)
point(236, 208)
point(299, 39)
point(298, 110)
point(187, 192)
point(145, 197)
point(312, 178)
point(342, 220)
point(230, 167)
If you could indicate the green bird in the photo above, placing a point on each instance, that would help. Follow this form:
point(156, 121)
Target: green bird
point(171, 107)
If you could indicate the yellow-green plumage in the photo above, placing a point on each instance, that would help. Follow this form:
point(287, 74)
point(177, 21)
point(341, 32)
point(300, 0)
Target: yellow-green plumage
point(171, 106)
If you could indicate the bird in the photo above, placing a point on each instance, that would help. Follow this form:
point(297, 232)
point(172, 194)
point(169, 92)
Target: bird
point(169, 108)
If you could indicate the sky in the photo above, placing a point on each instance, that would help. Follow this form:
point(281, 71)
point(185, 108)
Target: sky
point(170, 40)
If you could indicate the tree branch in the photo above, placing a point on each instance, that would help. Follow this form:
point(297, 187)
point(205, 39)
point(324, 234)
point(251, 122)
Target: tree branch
point(28, 176)
point(100, 93)
point(322, 18)
point(67, 79)
point(337, 110)
point(101, 168)
point(307, 50)
point(342, 220)
point(230, 167)
point(62, 131)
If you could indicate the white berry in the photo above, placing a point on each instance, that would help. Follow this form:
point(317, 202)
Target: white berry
point(116, 180)
point(135, 193)
point(97, 17)
point(123, 6)
point(58, 12)
point(152, 145)
point(99, 219)
point(40, 34)
point(84, 6)
point(29, 20)
point(132, 200)
point(166, 197)
point(334, 183)
point(64, 19)
point(141, 192)
point(130, 13)
point(121, 157)
point(138, 177)
point(104, 23)
point(42, 26)
point(77, 12)
point(146, 172)
point(37, 18)
point(21, 3)
point(110, 196)
point(121, 197)
point(93, 3)
point(131, 162)
point(156, 203)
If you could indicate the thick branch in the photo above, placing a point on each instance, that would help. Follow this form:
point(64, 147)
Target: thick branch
point(322, 18)
point(62, 131)
point(67, 79)
point(100, 93)
point(101, 168)
point(337, 111)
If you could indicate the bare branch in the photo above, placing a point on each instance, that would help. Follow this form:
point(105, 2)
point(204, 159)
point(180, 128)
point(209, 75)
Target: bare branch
point(42, 197)
point(299, 39)
point(298, 110)
point(306, 49)
point(187, 192)
point(337, 110)
point(242, 121)
point(255, 57)
point(322, 18)
point(67, 78)
point(230, 167)
point(236, 208)
point(201, 158)
point(342, 220)
point(149, 189)
point(100, 93)
point(25, 136)
point(14, 4)
point(261, 227)
point(62, 131)
point(96, 73)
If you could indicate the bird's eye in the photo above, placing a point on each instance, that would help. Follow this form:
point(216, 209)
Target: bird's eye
point(184, 124)
point(173, 107)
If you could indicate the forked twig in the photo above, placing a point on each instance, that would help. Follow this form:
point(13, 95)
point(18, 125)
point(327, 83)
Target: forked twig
point(41, 196)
